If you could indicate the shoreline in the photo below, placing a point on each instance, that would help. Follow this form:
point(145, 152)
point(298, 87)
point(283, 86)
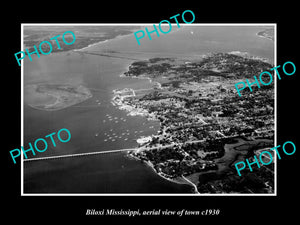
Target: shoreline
point(136, 112)
point(150, 165)
point(132, 111)
point(104, 41)
point(90, 45)
point(249, 56)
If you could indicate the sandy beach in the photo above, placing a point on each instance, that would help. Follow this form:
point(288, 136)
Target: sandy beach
point(150, 165)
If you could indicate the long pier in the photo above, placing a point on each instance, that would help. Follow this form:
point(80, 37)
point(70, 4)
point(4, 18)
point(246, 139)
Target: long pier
point(94, 153)
point(79, 154)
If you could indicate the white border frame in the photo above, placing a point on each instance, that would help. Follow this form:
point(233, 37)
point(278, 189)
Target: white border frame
point(145, 24)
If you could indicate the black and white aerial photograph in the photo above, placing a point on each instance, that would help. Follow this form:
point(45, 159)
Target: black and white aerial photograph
point(158, 117)
point(145, 113)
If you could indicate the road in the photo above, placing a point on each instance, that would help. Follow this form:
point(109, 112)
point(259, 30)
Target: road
point(190, 182)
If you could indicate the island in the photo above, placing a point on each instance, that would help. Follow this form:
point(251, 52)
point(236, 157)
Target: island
point(205, 127)
point(51, 97)
point(268, 33)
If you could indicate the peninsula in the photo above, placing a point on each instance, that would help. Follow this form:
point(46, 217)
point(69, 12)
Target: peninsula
point(204, 126)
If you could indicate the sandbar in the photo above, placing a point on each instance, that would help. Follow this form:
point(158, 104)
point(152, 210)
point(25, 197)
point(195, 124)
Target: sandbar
point(51, 97)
